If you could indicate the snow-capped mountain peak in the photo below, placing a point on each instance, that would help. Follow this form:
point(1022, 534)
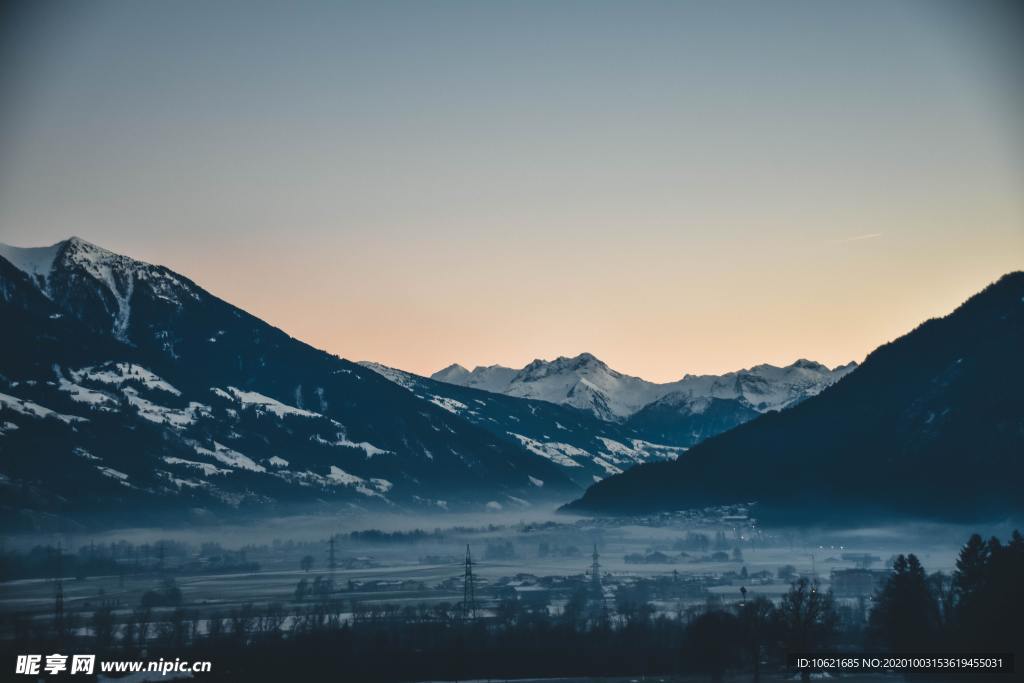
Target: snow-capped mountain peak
point(453, 374)
point(99, 284)
point(39, 262)
point(586, 382)
point(493, 378)
point(583, 364)
point(36, 262)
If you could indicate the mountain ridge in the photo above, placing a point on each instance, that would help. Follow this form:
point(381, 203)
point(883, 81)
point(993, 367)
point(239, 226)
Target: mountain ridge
point(930, 425)
point(587, 383)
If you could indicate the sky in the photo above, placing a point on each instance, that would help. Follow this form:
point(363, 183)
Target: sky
point(672, 186)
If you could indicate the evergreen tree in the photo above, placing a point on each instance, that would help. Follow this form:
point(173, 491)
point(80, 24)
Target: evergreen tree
point(971, 568)
point(906, 615)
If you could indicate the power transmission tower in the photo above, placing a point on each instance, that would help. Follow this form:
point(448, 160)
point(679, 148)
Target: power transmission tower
point(331, 563)
point(58, 603)
point(468, 595)
point(596, 604)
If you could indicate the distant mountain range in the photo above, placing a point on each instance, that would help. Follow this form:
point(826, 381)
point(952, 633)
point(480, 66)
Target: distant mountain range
point(540, 407)
point(930, 425)
point(130, 394)
point(588, 448)
point(681, 413)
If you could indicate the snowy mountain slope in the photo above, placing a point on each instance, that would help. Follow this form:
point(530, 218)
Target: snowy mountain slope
point(205, 409)
point(494, 378)
point(763, 387)
point(97, 286)
point(587, 383)
point(35, 262)
point(588, 448)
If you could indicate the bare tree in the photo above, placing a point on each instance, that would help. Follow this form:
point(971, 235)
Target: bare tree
point(807, 618)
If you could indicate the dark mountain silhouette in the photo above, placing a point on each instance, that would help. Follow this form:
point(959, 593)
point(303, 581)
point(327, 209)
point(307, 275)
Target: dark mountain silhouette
point(689, 422)
point(125, 386)
point(930, 425)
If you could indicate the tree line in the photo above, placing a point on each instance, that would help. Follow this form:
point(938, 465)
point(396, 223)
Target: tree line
point(979, 607)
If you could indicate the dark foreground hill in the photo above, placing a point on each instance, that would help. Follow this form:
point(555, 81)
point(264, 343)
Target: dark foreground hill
point(931, 425)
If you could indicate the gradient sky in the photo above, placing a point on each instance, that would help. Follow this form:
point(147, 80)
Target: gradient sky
point(673, 186)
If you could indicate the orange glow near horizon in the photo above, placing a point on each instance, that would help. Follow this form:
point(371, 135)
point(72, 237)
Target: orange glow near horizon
point(720, 309)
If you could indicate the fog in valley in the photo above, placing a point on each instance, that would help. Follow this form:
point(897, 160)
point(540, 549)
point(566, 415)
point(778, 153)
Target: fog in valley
point(536, 558)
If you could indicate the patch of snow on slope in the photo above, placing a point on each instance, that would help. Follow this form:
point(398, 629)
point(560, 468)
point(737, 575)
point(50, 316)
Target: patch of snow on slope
point(341, 440)
point(82, 453)
point(179, 482)
point(656, 450)
point(31, 409)
point(112, 473)
point(560, 453)
point(230, 457)
point(303, 478)
point(615, 447)
point(206, 468)
point(80, 394)
point(399, 377)
point(265, 404)
point(442, 504)
point(118, 373)
point(609, 468)
point(342, 478)
point(178, 418)
point(639, 451)
point(449, 404)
